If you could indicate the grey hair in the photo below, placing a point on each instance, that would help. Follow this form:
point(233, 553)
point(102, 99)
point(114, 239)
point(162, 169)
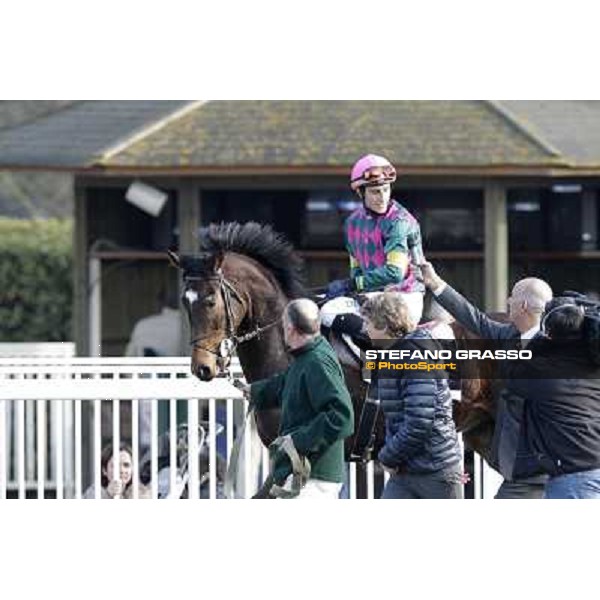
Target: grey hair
point(304, 316)
point(536, 292)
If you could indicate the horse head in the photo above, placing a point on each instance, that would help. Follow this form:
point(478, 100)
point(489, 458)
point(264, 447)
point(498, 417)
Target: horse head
point(215, 310)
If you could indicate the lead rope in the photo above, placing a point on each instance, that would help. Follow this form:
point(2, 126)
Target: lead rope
point(300, 469)
point(232, 467)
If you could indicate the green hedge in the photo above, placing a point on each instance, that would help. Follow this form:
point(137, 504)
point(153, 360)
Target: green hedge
point(36, 288)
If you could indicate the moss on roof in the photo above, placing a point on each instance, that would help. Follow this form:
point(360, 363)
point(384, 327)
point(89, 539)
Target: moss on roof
point(335, 133)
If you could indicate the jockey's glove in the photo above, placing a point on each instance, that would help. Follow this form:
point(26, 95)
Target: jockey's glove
point(339, 287)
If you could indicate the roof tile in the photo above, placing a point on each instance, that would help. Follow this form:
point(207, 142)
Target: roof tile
point(335, 133)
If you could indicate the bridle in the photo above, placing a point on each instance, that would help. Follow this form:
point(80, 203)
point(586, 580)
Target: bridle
point(228, 345)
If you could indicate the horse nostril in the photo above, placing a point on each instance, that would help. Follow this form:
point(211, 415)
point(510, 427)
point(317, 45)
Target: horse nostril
point(204, 373)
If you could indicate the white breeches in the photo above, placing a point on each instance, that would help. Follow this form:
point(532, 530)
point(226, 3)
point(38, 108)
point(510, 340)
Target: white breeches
point(344, 305)
point(315, 489)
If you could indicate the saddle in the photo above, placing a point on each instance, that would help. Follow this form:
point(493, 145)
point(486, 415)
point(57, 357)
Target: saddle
point(346, 349)
point(349, 356)
point(342, 326)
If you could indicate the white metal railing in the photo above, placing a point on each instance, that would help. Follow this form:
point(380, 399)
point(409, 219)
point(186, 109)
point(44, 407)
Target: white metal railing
point(57, 463)
point(37, 349)
point(37, 432)
point(37, 460)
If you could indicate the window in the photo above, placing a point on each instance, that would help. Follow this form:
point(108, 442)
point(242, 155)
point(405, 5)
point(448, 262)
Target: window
point(324, 214)
point(282, 209)
point(557, 218)
point(111, 218)
point(451, 229)
point(525, 219)
point(450, 219)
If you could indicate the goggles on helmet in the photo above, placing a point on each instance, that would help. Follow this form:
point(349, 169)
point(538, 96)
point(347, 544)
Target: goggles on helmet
point(374, 175)
point(377, 174)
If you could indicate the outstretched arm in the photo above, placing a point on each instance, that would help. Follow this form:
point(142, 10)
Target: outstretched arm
point(266, 393)
point(463, 311)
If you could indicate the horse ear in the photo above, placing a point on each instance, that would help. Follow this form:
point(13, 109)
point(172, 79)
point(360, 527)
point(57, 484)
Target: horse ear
point(174, 259)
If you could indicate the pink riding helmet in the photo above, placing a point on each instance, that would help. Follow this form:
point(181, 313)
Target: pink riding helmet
point(372, 170)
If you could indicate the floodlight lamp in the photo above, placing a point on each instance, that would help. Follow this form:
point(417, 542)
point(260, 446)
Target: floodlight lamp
point(145, 197)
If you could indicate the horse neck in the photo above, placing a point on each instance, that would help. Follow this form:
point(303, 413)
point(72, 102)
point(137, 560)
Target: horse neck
point(263, 357)
point(265, 354)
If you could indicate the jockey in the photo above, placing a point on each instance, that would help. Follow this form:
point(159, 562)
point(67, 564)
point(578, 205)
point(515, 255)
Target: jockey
point(384, 243)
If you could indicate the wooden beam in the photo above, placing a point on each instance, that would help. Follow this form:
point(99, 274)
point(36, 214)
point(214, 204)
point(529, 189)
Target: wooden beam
point(313, 181)
point(189, 220)
point(495, 247)
point(188, 210)
point(573, 255)
point(550, 169)
point(80, 273)
point(589, 218)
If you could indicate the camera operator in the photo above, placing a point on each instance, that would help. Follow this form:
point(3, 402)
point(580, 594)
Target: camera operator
point(560, 433)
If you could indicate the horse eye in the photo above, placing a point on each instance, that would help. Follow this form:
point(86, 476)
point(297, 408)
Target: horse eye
point(209, 300)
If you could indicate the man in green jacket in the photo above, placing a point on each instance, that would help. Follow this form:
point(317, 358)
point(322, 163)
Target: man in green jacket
point(316, 409)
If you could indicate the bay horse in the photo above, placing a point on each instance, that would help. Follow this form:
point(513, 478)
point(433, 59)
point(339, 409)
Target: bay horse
point(235, 291)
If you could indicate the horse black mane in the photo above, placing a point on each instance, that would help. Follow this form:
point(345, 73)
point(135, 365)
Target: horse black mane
point(261, 243)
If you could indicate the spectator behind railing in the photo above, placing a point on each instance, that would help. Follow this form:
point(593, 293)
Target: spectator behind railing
point(156, 335)
point(112, 487)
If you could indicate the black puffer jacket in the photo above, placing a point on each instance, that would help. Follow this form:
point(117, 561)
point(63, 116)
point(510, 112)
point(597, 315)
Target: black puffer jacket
point(420, 433)
point(509, 408)
point(560, 431)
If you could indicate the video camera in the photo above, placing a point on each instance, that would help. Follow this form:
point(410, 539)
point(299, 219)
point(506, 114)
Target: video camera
point(591, 318)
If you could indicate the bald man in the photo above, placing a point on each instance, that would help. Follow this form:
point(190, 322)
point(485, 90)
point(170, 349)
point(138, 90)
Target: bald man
point(316, 409)
point(525, 307)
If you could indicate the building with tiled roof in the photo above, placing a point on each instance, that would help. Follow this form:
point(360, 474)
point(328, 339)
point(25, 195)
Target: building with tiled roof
point(330, 135)
point(500, 188)
point(197, 137)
